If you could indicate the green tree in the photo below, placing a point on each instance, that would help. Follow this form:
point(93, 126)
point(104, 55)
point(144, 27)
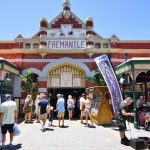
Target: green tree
point(97, 78)
point(30, 83)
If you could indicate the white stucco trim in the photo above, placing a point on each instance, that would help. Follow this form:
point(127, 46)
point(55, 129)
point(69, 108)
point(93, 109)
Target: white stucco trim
point(70, 61)
point(43, 74)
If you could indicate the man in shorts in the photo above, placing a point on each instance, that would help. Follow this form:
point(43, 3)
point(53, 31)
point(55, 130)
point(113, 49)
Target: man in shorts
point(60, 109)
point(8, 116)
point(44, 106)
point(121, 117)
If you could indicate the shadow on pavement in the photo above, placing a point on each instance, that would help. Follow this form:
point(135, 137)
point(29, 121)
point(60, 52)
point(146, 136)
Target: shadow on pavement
point(18, 146)
point(48, 129)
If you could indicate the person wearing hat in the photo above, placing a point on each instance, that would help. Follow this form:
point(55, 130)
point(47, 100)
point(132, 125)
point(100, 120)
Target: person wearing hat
point(8, 116)
point(61, 109)
point(121, 117)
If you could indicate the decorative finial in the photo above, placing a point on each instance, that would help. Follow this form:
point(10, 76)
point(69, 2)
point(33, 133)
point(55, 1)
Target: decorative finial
point(66, 8)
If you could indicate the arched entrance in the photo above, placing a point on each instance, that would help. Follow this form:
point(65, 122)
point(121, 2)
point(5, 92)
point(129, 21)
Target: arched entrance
point(66, 79)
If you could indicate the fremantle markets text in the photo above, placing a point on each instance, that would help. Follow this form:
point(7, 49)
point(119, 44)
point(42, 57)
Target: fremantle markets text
point(66, 44)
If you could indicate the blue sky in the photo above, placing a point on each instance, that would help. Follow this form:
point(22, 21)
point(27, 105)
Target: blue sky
point(128, 19)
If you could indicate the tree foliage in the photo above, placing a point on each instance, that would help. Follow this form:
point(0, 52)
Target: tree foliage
point(97, 78)
point(30, 83)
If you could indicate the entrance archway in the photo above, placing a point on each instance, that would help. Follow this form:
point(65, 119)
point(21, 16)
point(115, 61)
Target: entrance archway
point(66, 79)
point(66, 75)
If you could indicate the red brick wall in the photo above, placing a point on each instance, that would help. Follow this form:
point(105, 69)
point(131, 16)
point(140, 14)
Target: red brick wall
point(42, 84)
point(70, 20)
point(32, 56)
point(91, 65)
point(131, 45)
point(10, 45)
point(37, 65)
point(11, 56)
point(58, 56)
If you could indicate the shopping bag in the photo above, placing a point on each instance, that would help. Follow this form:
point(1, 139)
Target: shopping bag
point(16, 130)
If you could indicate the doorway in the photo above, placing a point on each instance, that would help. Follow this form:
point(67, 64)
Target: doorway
point(74, 92)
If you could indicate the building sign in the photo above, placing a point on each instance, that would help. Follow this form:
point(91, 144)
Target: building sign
point(10, 69)
point(123, 70)
point(55, 82)
point(76, 82)
point(66, 79)
point(66, 44)
point(142, 66)
point(109, 76)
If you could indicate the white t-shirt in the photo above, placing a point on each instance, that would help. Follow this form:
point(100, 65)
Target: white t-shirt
point(8, 109)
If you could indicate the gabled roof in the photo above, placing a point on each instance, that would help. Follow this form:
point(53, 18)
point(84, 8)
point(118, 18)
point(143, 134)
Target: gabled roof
point(19, 36)
point(61, 20)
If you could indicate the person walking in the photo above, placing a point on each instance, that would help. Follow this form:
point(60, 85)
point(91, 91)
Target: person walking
point(43, 106)
point(27, 109)
point(87, 110)
point(70, 106)
point(37, 111)
point(82, 100)
point(61, 109)
point(8, 116)
point(121, 117)
point(51, 116)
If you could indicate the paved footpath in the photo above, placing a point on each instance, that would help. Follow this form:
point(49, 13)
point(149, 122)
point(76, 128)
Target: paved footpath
point(73, 136)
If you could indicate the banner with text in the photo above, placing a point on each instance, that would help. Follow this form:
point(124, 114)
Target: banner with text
point(109, 76)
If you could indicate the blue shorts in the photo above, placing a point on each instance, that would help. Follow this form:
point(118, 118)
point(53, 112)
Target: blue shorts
point(7, 127)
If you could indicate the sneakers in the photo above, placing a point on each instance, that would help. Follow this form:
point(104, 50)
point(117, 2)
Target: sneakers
point(43, 129)
point(125, 142)
point(126, 139)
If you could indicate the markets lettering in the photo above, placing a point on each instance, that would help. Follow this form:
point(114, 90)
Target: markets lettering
point(66, 44)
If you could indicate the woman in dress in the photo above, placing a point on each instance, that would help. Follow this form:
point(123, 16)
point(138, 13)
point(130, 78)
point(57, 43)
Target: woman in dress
point(70, 105)
point(27, 109)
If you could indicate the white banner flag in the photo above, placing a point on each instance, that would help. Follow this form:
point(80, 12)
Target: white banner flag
point(109, 76)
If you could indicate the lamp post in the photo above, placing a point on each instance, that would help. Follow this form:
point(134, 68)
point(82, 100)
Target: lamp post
point(126, 56)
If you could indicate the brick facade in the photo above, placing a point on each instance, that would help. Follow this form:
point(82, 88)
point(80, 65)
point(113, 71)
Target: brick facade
point(42, 59)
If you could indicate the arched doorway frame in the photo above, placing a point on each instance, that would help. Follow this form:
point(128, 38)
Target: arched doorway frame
point(75, 71)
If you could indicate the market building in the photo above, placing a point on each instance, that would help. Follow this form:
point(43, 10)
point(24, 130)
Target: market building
point(62, 53)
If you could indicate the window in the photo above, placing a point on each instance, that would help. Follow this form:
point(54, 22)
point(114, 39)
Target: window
point(97, 45)
point(28, 46)
point(105, 45)
point(35, 45)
